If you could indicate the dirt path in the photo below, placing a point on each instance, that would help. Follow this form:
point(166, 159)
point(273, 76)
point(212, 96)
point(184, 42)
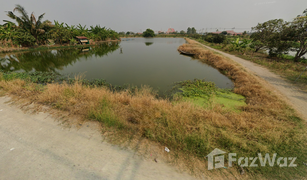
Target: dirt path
point(296, 97)
point(35, 146)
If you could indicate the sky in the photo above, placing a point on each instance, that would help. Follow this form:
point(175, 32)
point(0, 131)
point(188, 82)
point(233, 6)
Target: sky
point(138, 15)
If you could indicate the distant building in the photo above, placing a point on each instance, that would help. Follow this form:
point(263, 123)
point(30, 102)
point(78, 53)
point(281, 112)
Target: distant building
point(170, 30)
point(229, 32)
point(82, 40)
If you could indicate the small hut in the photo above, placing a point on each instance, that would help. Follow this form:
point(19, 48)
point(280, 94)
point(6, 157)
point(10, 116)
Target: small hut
point(82, 40)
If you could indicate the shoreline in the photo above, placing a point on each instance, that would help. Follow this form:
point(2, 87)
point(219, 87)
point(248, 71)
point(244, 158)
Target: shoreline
point(43, 47)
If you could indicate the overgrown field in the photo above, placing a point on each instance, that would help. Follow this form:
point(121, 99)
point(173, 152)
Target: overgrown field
point(264, 125)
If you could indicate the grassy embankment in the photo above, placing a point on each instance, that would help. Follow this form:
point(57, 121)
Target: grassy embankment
point(264, 125)
point(283, 65)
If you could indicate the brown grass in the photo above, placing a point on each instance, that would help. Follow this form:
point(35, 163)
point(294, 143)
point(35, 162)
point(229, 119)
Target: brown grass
point(266, 124)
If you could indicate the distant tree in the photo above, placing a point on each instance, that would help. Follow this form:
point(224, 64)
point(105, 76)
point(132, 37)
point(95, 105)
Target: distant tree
point(127, 33)
point(161, 32)
point(193, 30)
point(122, 33)
point(182, 32)
point(224, 33)
point(214, 38)
point(298, 33)
point(189, 30)
point(148, 33)
point(148, 43)
point(7, 32)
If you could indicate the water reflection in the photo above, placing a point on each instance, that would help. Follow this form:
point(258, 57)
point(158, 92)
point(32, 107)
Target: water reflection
point(148, 43)
point(51, 60)
point(158, 66)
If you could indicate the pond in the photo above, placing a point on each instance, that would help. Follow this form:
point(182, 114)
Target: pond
point(135, 61)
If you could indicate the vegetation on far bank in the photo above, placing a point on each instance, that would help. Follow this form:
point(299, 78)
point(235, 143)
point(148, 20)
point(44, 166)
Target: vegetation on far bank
point(30, 31)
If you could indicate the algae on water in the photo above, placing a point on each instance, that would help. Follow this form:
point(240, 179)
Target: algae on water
point(204, 94)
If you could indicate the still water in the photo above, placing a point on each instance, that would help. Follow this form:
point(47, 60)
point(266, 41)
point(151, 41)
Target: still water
point(136, 61)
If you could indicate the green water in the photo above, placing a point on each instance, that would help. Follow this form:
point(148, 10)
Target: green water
point(137, 61)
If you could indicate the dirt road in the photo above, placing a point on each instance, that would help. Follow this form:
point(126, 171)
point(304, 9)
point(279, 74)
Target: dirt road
point(292, 94)
point(35, 146)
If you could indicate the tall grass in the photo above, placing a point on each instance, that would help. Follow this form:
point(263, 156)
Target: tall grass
point(265, 125)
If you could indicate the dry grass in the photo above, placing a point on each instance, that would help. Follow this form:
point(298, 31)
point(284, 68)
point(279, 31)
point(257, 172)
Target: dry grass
point(266, 124)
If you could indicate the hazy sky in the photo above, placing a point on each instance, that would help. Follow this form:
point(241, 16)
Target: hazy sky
point(138, 15)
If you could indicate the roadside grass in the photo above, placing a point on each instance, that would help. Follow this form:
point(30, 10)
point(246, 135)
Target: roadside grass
point(282, 65)
point(264, 125)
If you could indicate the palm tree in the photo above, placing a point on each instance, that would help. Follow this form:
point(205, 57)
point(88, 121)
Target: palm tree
point(28, 23)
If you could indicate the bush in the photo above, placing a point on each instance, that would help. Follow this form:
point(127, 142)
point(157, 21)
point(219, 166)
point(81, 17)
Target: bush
point(24, 38)
point(215, 38)
point(148, 33)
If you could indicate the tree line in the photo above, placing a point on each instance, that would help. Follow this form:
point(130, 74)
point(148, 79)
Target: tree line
point(30, 30)
point(279, 36)
point(275, 36)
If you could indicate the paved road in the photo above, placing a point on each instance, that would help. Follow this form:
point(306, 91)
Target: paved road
point(296, 97)
point(37, 147)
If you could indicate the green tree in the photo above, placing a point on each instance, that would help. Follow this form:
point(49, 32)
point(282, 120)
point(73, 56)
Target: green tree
point(122, 33)
point(189, 30)
point(224, 33)
point(101, 33)
point(30, 24)
point(148, 33)
point(82, 30)
point(24, 38)
point(193, 30)
point(61, 34)
point(298, 33)
point(7, 31)
point(272, 35)
point(214, 38)
point(182, 32)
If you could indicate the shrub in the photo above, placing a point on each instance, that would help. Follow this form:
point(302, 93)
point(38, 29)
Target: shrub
point(215, 38)
point(148, 33)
